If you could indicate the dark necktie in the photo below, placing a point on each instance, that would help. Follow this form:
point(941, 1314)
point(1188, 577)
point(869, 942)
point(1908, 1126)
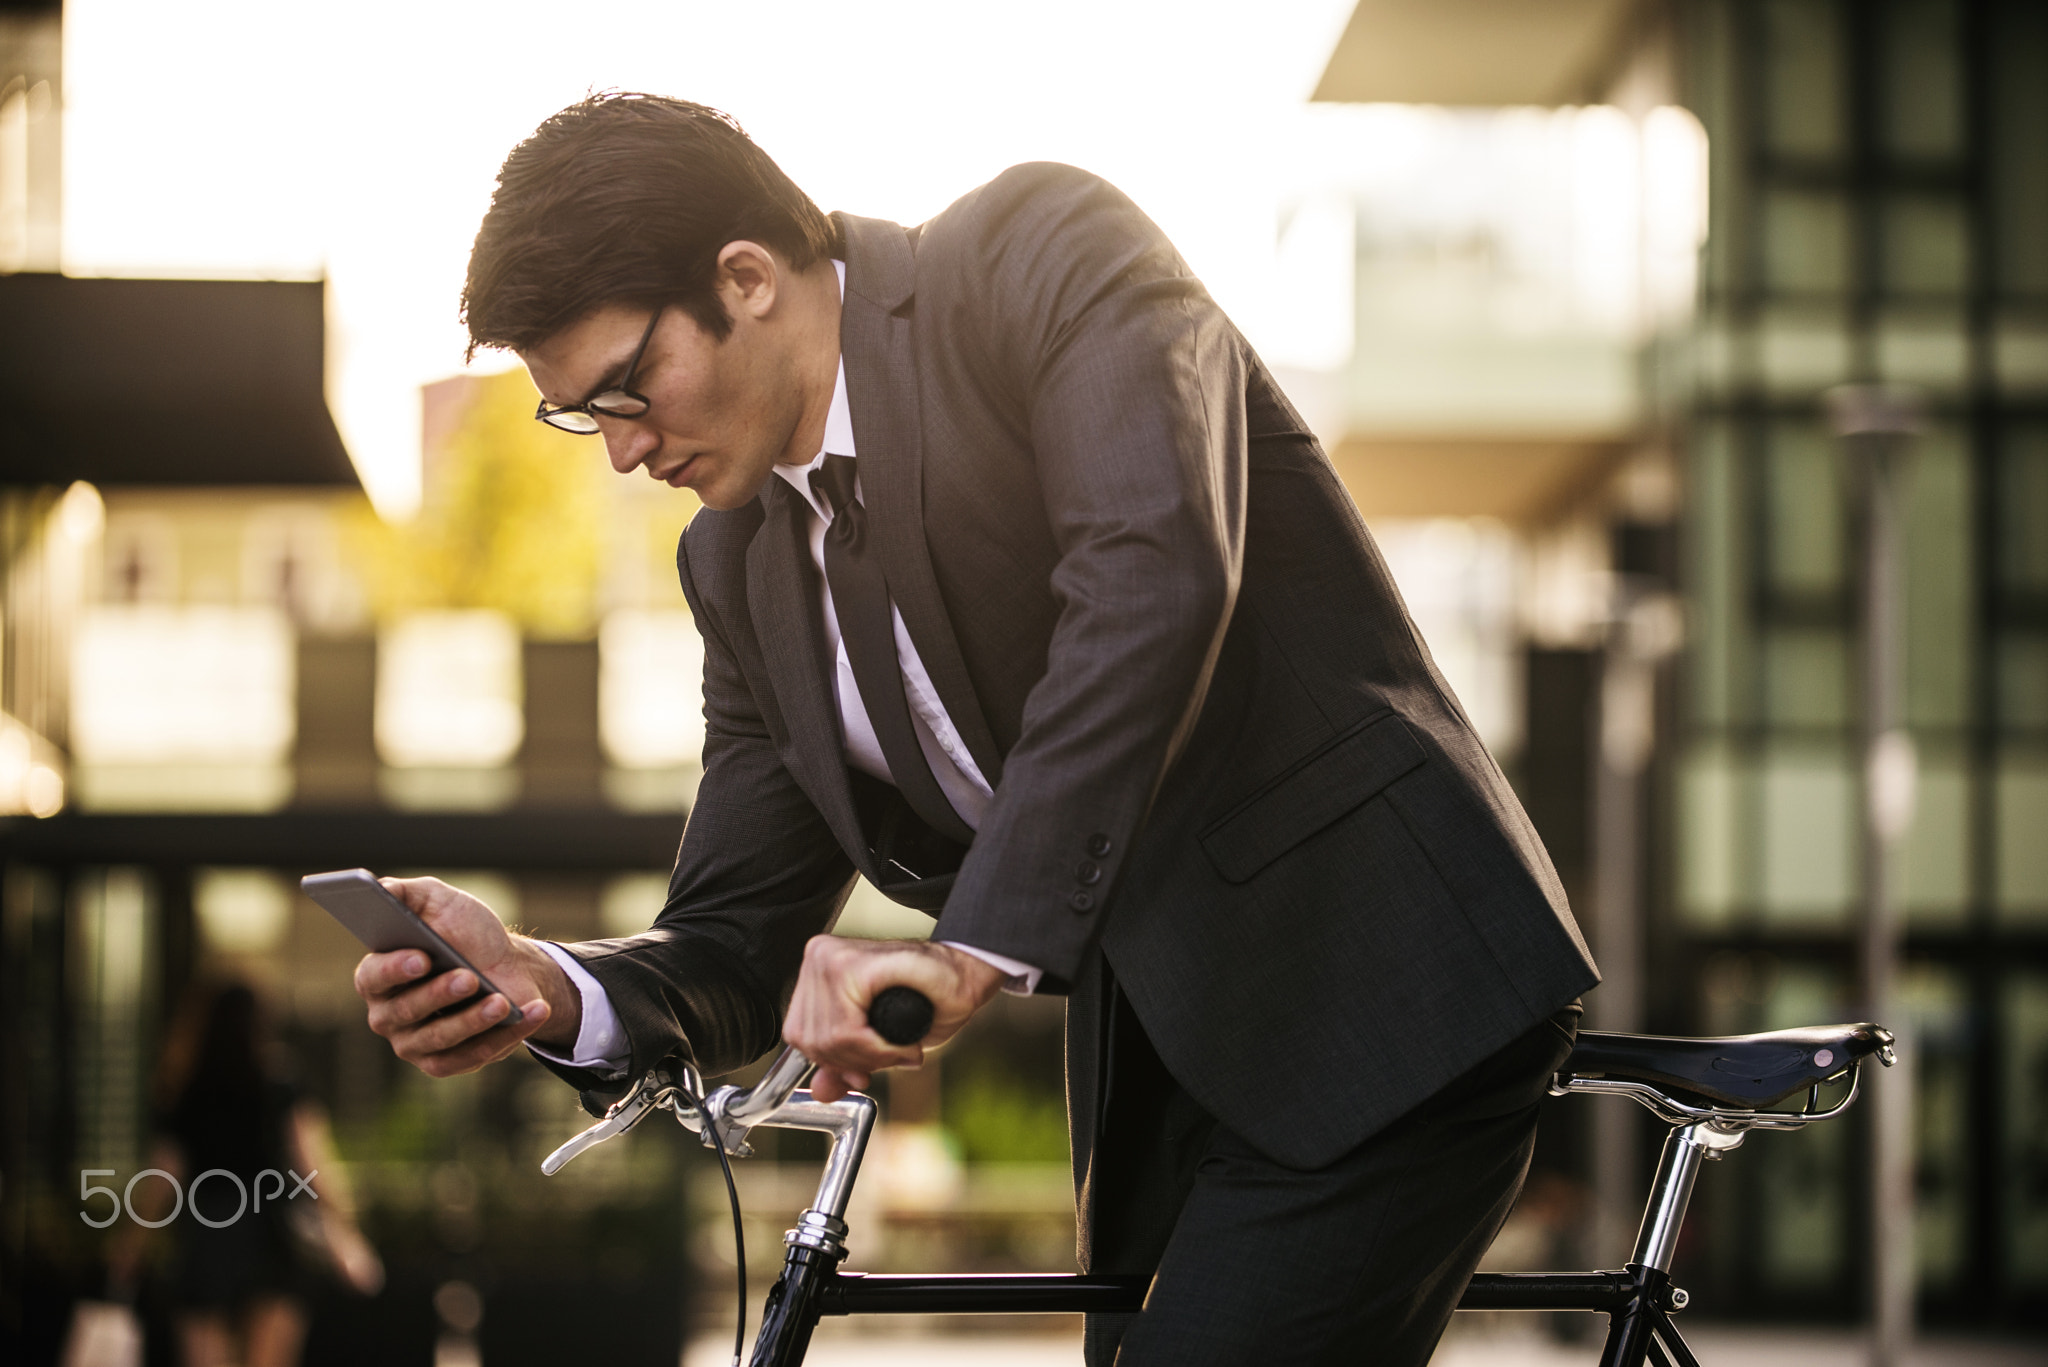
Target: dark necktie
point(860, 597)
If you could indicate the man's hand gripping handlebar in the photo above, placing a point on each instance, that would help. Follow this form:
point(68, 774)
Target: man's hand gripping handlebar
point(900, 1015)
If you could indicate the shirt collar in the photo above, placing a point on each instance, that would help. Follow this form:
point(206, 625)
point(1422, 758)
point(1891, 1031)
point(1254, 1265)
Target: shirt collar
point(838, 429)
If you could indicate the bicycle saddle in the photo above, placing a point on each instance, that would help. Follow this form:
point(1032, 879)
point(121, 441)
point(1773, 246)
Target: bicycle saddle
point(1746, 1071)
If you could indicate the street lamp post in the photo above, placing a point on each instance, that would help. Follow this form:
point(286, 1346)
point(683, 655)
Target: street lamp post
point(1876, 425)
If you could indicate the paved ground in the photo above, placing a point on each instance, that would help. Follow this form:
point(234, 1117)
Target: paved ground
point(848, 1345)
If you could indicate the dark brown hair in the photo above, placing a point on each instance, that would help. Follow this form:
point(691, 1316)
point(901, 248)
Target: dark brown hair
point(627, 198)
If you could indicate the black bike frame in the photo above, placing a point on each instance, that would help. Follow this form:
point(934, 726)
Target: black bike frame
point(1637, 1302)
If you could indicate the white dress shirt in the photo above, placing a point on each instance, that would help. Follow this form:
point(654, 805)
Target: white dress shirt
point(601, 1042)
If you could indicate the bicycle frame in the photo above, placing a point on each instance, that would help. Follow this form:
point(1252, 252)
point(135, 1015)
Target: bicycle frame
point(1638, 1300)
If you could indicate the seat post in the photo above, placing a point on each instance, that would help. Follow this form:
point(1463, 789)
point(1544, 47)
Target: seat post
point(1677, 1169)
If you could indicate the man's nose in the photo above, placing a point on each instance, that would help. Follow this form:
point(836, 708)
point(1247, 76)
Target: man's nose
point(627, 443)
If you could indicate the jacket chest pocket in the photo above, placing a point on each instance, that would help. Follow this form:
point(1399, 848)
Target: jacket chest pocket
point(1335, 780)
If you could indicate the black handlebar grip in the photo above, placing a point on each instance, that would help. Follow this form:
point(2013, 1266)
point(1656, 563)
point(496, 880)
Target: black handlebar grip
point(900, 1015)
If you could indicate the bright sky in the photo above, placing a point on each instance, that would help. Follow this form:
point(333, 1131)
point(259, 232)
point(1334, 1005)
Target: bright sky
point(249, 138)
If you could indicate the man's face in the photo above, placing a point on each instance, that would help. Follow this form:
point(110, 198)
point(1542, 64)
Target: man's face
point(720, 413)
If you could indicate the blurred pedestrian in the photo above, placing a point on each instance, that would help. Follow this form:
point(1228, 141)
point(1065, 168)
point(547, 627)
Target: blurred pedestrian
point(252, 1244)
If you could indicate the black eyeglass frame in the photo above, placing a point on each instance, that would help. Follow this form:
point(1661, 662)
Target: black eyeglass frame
point(636, 404)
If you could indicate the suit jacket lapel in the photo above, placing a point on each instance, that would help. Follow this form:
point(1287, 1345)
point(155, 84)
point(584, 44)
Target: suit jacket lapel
point(783, 601)
point(881, 391)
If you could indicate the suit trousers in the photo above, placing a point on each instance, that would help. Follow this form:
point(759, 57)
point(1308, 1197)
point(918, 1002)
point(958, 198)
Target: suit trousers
point(1361, 1261)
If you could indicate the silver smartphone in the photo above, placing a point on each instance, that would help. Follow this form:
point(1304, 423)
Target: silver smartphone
point(355, 898)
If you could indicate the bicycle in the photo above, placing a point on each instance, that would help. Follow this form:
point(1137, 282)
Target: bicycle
point(1712, 1092)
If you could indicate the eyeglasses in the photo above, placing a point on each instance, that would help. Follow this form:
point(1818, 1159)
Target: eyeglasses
point(620, 401)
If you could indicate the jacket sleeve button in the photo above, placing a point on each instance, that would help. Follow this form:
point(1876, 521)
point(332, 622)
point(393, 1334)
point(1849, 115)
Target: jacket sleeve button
point(1082, 901)
point(1098, 844)
point(1090, 872)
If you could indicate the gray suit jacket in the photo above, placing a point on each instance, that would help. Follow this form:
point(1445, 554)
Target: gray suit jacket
point(1221, 754)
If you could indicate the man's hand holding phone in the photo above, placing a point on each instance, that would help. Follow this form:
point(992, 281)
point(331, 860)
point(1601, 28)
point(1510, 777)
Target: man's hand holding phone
point(406, 996)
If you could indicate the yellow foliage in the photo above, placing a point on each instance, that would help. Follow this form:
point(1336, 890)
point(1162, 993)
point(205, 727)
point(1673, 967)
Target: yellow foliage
point(512, 519)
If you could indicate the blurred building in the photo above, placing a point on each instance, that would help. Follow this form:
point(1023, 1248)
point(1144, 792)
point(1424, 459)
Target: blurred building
point(1875, 209)
point(218, 672)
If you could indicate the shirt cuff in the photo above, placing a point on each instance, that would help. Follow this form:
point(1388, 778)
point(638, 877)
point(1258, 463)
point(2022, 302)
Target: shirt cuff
point(600, 1041)
point(1023, 977)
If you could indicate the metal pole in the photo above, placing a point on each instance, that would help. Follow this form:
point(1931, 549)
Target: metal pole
point(1875, 425)
point(1643, 631)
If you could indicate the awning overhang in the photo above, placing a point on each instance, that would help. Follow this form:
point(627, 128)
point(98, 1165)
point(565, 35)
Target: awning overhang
point(1475, 52)
point(166, 382)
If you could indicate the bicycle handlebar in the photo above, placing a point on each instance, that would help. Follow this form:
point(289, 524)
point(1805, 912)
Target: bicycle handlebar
point(900, 1015)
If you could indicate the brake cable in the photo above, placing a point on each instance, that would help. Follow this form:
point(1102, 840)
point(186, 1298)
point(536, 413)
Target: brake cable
point(739, 1235)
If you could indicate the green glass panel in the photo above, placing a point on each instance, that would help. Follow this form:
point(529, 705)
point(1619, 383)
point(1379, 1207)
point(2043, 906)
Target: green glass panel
point(1926, 245)
point(1806, 810)
point(1803, 486)
point(1716, 573)
point(1803, 1180)
point(1921, 113)
point(2024, 1202)
point(2023, 509)
point(1934, 858)
point(2019, 350)
point(2021, 836)
point(1937, 1014)
point(1806, 242)
point(2019, 181)
point(1803, 77)
point(1925, 344)
point(1710, 859)
point(1802, 348)
point(2023, 682)
point(1940, 615)
point(1806, 677)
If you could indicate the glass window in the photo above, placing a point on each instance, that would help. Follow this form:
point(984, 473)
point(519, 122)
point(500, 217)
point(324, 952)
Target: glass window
point(1808, 832)
point(1940, 615)
point(629, 902)
point(1934, 859)
point(1803, 1179)
point(650, 688)
point(241, 911)
point(2020, 130)
point(1718, 589)
point(2023, 510)
point(1937, 1007)
point(651, 708)
point(1710, 833)
point(2023, 682)
point(114, 924)
point(183, 708)
point(2020, 352)
point(1926, 245)
point(1922, 108)
point(1804, 86)
point(1804, 486)
point(450, 710)
point(1802, 348)
point(2024, 1201)
point(1806, 677)
point(1806, 242)
point(2021, 792)
point(1925, 346)
point(449, 690)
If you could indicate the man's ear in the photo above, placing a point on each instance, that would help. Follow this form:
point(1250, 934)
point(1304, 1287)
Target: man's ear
point(749, 278)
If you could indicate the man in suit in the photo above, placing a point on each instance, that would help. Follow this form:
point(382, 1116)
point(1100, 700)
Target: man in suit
point(1027, 596)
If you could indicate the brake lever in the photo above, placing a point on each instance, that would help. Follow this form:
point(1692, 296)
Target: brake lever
point(656, 1091)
